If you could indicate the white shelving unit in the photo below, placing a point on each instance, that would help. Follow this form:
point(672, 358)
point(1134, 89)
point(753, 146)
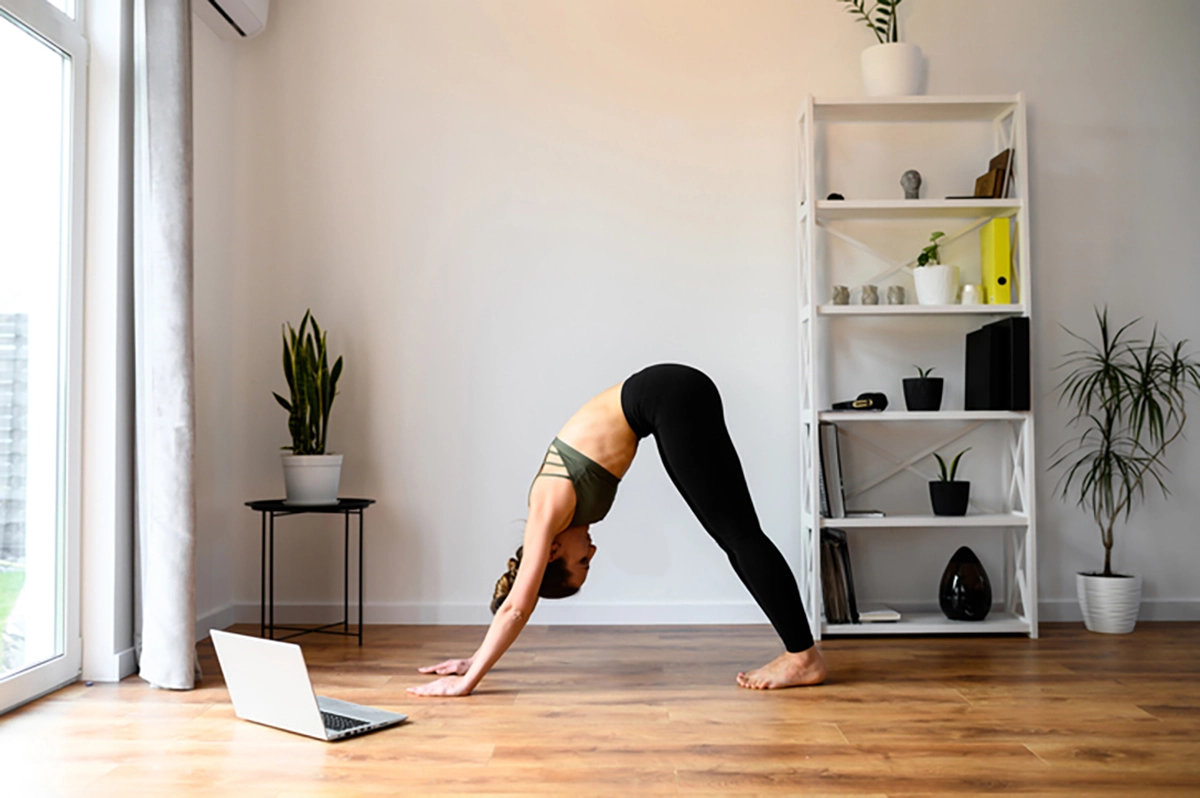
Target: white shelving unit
point(822, 325)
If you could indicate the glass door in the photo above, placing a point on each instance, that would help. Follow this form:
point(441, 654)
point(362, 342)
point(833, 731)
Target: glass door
point(41, 105)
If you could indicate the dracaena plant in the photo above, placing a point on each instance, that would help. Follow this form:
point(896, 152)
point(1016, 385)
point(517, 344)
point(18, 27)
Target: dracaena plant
point(880, 17)
point(313, 385)
point(1128, 395)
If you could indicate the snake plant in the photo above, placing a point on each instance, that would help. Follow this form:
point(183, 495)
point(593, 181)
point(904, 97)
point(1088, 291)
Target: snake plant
point(312, 383)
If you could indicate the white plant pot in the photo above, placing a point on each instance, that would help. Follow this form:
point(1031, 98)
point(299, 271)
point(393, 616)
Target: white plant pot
point(312, 478)
point(891, 69)
point(936, 284)
point(1110, 603)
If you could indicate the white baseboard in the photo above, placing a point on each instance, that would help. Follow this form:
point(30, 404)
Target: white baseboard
point(583, 614)
point(220, 619)
point(111, 668)
point(572, 613)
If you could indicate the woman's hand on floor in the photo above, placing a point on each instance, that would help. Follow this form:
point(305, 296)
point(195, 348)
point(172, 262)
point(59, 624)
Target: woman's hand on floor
point(445, 686)
point(450, 666)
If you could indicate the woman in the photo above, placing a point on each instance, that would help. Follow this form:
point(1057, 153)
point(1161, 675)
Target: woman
point(576, 486)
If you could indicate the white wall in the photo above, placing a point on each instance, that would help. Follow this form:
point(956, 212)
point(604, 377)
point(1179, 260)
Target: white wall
point(499, 209)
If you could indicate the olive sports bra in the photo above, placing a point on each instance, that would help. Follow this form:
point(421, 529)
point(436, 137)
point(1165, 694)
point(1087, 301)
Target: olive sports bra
point(595, 486)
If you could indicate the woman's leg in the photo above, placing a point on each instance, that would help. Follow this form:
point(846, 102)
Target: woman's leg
point(700, 459)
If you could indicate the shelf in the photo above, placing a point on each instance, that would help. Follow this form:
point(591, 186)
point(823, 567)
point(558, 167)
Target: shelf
point(933, 623)
point(920, 310)
point(923, 108)
point(845, 416)
point(931, 521)
point(831, 210)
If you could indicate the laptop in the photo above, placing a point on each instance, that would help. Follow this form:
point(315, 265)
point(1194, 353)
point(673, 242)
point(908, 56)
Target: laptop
point(268, 684)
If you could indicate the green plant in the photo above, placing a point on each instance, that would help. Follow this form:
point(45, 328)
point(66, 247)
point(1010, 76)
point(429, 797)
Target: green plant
point(947, 474)
point(880, 17)
point(312, 383)
point(923, 373)
point(930, 253)
point(1129, 398)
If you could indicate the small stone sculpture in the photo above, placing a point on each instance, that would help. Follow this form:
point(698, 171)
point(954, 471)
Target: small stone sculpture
point(895, 295)
point(841, 295)
point(870, 295)
point(911, 182)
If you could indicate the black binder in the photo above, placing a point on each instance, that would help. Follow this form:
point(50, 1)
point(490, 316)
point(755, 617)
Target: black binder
point(997, 373)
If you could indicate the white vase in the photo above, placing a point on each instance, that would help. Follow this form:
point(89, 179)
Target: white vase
point(936, 284)
point(1109, 603)
point(311, 479)
point(891, 69)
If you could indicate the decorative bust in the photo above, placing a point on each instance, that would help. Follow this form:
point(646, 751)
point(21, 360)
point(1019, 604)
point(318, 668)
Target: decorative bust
point(911, 182)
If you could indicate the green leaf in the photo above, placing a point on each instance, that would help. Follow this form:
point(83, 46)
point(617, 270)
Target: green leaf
point(286, 404)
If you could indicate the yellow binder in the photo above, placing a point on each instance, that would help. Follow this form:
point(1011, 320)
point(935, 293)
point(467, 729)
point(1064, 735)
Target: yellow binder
point(995, 260)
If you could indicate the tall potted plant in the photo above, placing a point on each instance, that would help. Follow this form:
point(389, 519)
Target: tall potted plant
point(890, 67)
point(1128, 395)
point(310, 475)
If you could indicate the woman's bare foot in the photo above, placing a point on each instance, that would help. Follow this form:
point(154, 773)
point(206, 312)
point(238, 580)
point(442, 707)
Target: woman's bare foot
point(786, 670)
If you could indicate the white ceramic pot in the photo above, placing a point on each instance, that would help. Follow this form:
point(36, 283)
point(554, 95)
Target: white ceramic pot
point(891, 69)
point(312, 478)
point(936, 284)
point(1110, 603)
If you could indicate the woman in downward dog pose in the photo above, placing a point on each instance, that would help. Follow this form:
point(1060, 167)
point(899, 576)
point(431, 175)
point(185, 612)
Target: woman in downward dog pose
point(575, 488)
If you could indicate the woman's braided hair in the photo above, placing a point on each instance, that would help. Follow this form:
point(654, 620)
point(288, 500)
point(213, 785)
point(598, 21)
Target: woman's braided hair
point(554, 580)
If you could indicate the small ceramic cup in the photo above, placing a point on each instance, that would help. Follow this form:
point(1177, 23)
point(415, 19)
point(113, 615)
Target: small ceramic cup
point(895, 295)
point(971, 295)
point(870, 295)
point(841, 295)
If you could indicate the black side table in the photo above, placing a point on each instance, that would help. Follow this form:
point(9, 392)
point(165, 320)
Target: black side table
point(272, 508)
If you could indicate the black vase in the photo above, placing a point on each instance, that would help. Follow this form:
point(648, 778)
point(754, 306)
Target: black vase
point(950, 498)
point(923, 393)
point(965, 593)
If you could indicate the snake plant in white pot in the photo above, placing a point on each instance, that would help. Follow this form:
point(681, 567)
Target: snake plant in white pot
point(310, 475)
point(1128, 395)
point(891, 67)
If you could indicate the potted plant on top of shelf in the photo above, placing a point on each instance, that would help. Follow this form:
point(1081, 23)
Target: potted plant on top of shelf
point(890, 67)
point(310, 475)
point(1129, 396)
point(936, 282)
point(948, 495)
point(923, 392)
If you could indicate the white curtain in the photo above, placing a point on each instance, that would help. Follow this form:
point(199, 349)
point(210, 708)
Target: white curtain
point(166, 427)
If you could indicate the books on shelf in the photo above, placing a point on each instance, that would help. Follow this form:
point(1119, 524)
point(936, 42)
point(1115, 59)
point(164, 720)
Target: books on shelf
point(878, 613)
point(833, 497)
point(837, 578)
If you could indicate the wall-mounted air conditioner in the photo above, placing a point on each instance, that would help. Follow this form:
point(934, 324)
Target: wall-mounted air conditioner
point(233, 19)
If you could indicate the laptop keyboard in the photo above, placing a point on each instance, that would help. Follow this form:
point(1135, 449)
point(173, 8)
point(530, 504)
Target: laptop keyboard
point(341, 722)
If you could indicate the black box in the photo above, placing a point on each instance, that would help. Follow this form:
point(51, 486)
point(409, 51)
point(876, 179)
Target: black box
point(997, 373)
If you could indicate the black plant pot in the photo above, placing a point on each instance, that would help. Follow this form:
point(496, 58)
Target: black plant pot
point(923, 393)
point(950, 498)
point(965, 593)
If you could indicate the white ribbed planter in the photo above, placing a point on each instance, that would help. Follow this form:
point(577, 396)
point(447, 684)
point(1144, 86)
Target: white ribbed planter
point(891, 69)
point(312, 478)
point(1110, 604)
point(936, 284)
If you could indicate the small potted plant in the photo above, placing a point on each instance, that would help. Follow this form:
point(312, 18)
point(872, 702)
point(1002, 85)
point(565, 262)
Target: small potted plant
point(310, 475)
point(1129, 396)
point(923, 392)
point(948, 495)
point(890, 67)
point(936, 283)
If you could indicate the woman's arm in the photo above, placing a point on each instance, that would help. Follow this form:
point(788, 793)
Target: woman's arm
point(547, 517)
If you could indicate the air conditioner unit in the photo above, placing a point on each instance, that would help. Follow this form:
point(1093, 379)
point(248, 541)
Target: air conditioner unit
point(233, 19)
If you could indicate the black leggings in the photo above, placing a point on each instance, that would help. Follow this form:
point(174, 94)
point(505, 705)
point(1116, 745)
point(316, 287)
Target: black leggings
point(681, 407)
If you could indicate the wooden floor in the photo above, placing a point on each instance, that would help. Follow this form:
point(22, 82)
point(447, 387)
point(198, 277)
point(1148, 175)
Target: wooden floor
point(643, 710)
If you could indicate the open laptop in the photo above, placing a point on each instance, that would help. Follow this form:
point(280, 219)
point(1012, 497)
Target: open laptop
point(268, 683)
